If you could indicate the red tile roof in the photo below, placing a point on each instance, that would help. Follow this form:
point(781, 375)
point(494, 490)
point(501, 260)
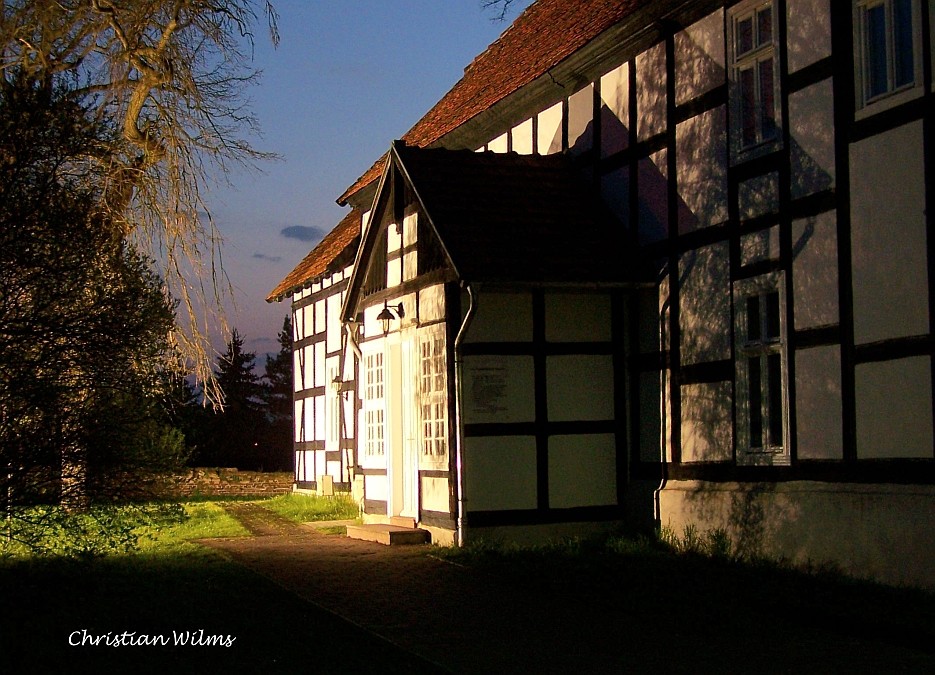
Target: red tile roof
point(541, 37)
point(346, 234)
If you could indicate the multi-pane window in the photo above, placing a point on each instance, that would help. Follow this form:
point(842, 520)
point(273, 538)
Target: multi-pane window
point(761, 372)
point(373, 405)
point(755, 77)
point(885, 46)
point(432, 396)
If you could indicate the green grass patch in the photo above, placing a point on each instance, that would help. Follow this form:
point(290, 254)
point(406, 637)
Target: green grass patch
point(303, 508)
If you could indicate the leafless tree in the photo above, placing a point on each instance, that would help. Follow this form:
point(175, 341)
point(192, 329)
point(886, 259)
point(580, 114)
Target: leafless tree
point(172, 77)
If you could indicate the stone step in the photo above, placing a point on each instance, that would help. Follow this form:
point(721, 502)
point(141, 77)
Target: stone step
point(388, 534)
point(403, 521)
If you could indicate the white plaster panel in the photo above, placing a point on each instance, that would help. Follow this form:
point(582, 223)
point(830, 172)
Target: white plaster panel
point(394, 238)
point(501, 317)
point(297, 384)
point(500, 143)
point(333, 335)
point(888, 238)
point(410, 228)
point(614, 114)
point(310, 419)
point(650, 423)
point(550, 130)
point(375, 487)
point(319, 418)
point(653, 198)
point(500, 473)
point(815, 270)
point(701, 162)
point(811, 126)
point(706, 430)
point(894, 408)
point(309, 367)
point(818, 403)
point(808, 32)
point(333, 469)
point(759, 246)
point(499, 389)
point(320, 364)
point(699, 57)
point(758, 196)
point(305, 464)
point(582, 470)
point(432, 303)
point(435, 494)
point(577, 317)
point(522, 138)
point(319, 316)
point(394, 273)
point(309, 316)
point(410, 266)
point(580, 387)
point(705, 304)
point(581, 120)
point(297, 421)
point(651, 91)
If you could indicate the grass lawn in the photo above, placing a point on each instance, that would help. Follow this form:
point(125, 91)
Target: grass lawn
point(307, 508)
point(174, 587)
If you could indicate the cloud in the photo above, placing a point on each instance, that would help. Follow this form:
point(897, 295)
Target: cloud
point(267, 258)
point(302, 233)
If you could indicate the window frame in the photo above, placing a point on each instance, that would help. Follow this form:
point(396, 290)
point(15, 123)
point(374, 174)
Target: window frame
point(894, 94)
point(761, 347)
point(751, 60)
point(433, 396)
point(373, 404)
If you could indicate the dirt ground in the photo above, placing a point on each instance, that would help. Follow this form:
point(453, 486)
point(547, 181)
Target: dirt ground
point(465, 620)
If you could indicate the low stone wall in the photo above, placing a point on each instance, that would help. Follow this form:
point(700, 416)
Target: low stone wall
point(223, 481)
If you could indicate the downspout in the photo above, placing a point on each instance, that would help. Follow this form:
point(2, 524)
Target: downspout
point(459, 418)
point(349, 328)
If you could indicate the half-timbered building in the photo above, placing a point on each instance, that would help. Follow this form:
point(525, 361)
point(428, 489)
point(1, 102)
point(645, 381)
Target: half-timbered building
point(654, 263)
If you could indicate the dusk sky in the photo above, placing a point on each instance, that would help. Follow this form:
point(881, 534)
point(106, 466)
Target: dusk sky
point(347, 78)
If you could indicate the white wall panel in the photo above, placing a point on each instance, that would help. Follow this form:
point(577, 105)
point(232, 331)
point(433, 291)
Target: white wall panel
point(705, 304)
point(501, 317)
point(500, 473)
point(581, 120)
point(582, 470)
point(808, 32)
point(615, 102)
point(811, 126)
point(701, 162)
point(523, 142)
point(498, 389)
point(894, 408)
point(577, 317)
point(815, 270)
point(888, 237)
point(818, 403)
point(550, 130)
point(699, 57)
point(706, 430)
point(580, 387)
point(651, 91)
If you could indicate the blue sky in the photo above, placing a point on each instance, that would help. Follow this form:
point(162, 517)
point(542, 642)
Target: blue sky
point(348, 77)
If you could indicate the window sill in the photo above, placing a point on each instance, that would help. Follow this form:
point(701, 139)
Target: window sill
point(888, 101)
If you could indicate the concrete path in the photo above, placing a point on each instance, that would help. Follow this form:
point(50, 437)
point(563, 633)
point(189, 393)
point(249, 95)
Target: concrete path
point(458, 618)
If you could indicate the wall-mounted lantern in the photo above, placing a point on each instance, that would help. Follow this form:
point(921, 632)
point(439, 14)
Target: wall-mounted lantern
point(387, 314)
